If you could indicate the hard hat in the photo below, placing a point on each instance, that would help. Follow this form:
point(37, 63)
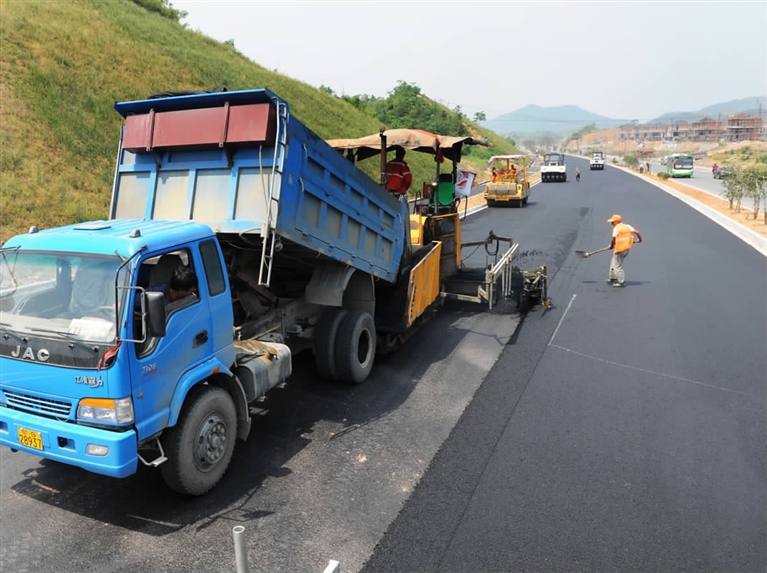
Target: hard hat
point(615, 219)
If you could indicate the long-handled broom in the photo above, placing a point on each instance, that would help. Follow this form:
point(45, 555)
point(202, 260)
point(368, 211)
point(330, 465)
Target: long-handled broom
point(586, 254)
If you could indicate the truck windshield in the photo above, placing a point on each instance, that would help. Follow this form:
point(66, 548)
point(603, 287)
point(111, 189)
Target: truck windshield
point(66, 294)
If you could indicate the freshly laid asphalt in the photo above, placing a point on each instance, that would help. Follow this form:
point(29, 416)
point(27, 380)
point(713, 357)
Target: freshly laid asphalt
point(621, 430)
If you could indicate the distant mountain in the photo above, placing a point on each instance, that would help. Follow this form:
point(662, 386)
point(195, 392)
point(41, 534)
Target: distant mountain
point(748, 105)
point(557, 120)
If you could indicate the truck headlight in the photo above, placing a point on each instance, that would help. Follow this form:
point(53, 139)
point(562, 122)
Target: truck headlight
point(105, 411)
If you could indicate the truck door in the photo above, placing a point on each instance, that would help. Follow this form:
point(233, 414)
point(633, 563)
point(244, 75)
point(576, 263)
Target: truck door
point(161, 362)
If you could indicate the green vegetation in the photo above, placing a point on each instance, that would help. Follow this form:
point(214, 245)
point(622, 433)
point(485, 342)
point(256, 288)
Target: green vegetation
point(631, 159)
point(406, 107)
point(164, 8)
point(64, 65)
point(751, 183)
point(743, 157)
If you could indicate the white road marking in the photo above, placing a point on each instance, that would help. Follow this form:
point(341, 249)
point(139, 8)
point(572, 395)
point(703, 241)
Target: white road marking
point(646, 371)
point(564, 314)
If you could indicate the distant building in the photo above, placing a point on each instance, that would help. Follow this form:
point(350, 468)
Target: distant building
point(743, 127)
point(739, 127)
point(706, 129)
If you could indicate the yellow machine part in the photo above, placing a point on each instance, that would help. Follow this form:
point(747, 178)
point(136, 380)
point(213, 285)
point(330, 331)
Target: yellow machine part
point(422, 231)
point(416, 230)
point(500, 191)
point(424, 283)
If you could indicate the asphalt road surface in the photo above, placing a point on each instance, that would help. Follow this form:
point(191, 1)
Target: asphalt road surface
point(703, 180)
point(622, 430)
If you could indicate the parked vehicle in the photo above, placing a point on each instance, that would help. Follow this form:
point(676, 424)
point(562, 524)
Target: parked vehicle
point(294, 248)
point(510, 184)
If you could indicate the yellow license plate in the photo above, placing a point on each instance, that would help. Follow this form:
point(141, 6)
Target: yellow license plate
point(30, 438)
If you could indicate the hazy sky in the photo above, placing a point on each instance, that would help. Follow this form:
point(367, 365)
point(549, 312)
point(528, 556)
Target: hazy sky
point(624, 60)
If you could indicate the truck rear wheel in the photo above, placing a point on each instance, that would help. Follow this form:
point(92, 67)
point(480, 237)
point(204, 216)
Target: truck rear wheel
point(199, 447)
point(325, 342)
point(355, 346)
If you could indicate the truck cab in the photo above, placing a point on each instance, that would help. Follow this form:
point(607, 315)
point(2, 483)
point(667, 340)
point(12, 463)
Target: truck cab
point(93, 354)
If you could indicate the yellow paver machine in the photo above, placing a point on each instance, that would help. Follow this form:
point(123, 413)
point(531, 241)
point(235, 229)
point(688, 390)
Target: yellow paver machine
point(510, 183)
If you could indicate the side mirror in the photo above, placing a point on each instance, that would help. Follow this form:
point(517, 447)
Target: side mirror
point(154, 303)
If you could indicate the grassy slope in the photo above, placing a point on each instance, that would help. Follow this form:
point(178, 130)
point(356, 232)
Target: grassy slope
point(64, 65)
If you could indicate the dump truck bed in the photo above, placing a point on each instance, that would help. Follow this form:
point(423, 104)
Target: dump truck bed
point(240, 163)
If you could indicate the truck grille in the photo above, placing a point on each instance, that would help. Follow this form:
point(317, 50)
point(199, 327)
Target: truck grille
point(42, 406)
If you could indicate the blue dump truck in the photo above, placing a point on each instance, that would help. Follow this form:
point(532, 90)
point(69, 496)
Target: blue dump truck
point(105, 365)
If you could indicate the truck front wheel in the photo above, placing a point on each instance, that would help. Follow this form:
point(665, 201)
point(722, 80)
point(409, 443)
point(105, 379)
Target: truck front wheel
point(199, 447)
point(355, 346)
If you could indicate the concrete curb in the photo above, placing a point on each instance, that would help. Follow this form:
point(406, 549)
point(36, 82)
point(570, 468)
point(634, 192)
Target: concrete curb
point(745, 234)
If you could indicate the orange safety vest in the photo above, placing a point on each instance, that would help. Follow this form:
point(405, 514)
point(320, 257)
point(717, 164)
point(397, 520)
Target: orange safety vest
point(624, 237)
point(398, 176)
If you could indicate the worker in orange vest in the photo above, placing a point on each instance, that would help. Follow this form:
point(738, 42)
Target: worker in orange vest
point(623, 238)
point(398, 176)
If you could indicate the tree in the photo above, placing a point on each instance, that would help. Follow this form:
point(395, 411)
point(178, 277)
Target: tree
point(733, 189)
point(755, 187)
point(480, 117)
point(631, 160)
point(164, 8)
point(407, 107)
point(326, 90)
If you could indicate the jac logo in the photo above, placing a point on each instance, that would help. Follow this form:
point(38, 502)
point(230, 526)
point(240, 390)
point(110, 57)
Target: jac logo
point(28, 354)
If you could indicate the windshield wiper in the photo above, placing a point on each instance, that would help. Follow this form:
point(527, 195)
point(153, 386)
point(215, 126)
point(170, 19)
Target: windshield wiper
point(7, 264)
point(6, 328)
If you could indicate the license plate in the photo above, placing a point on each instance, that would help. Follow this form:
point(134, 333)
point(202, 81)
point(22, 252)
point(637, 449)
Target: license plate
point(30, 438)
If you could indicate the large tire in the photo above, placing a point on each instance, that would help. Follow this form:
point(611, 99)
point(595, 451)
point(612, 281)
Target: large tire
point(355, 347)
point(325, 342)
point(199, 447)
